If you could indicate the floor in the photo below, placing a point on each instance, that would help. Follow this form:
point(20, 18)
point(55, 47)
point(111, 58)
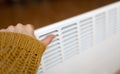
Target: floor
point(45, 12)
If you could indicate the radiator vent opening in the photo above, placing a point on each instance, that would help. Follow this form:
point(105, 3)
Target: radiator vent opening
point(69, 36)
point(52, 55)
point(112, 21)
point(100, 27)
point(86, 33)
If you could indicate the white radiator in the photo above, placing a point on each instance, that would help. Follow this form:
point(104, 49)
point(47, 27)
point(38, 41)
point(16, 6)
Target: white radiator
point(85, 44)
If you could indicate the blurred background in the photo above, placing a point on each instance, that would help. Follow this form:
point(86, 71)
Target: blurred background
point(43, 12)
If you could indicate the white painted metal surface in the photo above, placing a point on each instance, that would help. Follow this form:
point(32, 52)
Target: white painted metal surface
point(84, 44)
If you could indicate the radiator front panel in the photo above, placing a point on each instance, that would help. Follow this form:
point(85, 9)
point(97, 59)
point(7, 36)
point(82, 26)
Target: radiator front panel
point(78, 34)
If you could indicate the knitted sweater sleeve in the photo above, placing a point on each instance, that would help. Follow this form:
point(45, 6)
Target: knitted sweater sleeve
point(19, 53)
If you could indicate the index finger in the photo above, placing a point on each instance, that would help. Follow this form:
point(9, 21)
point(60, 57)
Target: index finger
point(48, 39)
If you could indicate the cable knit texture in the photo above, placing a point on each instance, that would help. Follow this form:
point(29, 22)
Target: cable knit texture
point(19, 53)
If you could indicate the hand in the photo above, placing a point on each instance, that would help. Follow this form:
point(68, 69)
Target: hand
point(28, 30)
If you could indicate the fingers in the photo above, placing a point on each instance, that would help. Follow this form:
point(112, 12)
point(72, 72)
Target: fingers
point(10, 29)
point(30, 29)
point(25, 29)
point(48, 39)
point(19, 28)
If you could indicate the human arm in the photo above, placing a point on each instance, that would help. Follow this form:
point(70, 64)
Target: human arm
point(20, 52)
